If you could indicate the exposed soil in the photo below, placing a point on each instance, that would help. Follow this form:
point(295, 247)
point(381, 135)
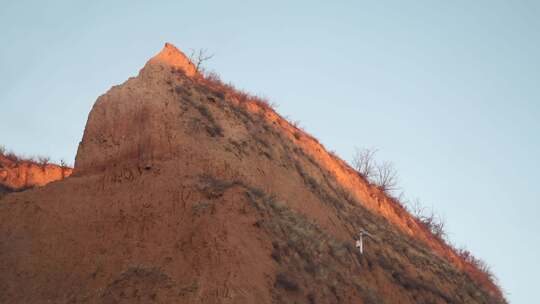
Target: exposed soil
point(18, 174)
point(184, 192)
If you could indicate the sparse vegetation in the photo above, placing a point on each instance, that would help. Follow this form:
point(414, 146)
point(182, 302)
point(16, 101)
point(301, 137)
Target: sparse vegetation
point(383, 175)
point(199, 57)
point(436, 224)
point(212, 127)
point(43, 160)
point(213, 81)
point(306, 255)
point(479, 264)
point(432, 221)
point(282, 281)
point(386, 177)
point(309, 256)
point(12, 156)
point(364, 162)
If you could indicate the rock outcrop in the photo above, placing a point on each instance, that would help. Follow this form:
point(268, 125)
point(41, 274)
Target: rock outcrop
point(187, 191)
point(17, 174)
point(130, 125)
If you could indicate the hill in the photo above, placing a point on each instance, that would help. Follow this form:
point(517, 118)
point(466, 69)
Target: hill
point(186, 190)
point(18, 173)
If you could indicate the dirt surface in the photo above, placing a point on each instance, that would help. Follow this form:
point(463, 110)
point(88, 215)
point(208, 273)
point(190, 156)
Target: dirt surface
point(184, 192)
point(18, 174)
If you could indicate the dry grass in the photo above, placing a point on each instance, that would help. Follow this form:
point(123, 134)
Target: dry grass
point(384, 176)
point(310, 261)
point(12, 156)
point(316, 267)
point(212, 83)
point(42, 161)
point(212, 127)
point(226, 90)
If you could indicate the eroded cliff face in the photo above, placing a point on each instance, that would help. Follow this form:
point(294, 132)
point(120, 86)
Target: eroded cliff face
point(16, 175)
point(187, 191)
point(133, 124)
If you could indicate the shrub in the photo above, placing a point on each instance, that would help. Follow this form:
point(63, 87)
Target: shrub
point(283, 281)
point(214, 82)
point(386, 177)
point(12, 156)
point(433, 222)
point(479, 264)
point(383, 175)
point(364, 162)
point(43, 160)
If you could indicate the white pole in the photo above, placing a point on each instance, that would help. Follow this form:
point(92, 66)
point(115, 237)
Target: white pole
point(361, 244)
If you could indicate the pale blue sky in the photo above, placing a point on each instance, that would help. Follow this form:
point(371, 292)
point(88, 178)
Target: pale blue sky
point(447, 90)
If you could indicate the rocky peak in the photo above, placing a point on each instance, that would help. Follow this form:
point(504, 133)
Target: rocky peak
point(173, 57)
point(136, 123)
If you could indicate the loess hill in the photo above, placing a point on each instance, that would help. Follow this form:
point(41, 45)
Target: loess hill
point(187, 191)
point(18, 174)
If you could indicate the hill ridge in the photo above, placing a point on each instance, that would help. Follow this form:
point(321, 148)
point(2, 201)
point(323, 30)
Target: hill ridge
point(17, 173)
point(186, 189)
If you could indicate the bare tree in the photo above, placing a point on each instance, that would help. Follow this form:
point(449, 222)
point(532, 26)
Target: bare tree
point(416, 208)
point(2, 150)
point(364, 162)
point(199, 57)
point(433, 222)
point(44, 160)
point(383, 175)
point(386, 176)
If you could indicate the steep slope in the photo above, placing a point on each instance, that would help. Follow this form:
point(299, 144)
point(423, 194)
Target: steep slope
point(19, 174)
point(187, 191)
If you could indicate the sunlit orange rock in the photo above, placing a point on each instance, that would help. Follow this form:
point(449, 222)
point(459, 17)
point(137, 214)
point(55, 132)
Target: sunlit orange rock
point(170, 56)
point(23, 174)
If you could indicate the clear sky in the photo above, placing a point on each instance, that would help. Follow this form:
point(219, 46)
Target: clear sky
point(447, 90)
